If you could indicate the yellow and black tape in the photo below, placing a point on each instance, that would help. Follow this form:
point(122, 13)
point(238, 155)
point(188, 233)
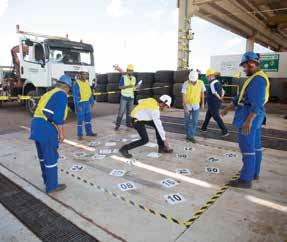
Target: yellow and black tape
point(130, 202)
point(210, 202)
point(169, 218)
point(23, 97)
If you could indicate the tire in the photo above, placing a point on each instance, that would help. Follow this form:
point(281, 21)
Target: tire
point(103, 97)
point(31, 104)
point(114, 98)
point(114, 77)
point(145, 76)
point(180, 76)
point(177, 103)
point(164, 76)
point(176, 89)
point(139, 97)
point(156, 96)
point(166, 89)
point(102, 78)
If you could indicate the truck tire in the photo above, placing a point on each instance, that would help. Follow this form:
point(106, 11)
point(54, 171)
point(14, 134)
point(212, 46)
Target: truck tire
point(113, 77)
point(145, 76)
point(180, 76)
point(176, 89)
point(102, 78)
point(101, 88)
point(31, 104)
point(164, 76)
point(165, 88)
point(177, 103)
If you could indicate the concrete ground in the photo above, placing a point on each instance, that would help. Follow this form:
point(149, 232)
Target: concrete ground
point(95, 202)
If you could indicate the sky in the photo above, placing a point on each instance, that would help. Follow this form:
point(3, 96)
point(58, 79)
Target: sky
point(141, 32)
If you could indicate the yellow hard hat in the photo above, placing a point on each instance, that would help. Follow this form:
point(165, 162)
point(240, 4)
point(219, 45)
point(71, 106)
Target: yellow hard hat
point(130, 67)
point(210, 72)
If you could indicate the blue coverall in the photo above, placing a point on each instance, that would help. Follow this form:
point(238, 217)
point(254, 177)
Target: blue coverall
point(250, 145)
point(83, 111)
point(45, 135)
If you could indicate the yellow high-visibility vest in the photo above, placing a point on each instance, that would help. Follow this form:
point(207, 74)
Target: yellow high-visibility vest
point(145, 104)
point(43, 102)
point(251, 78)
point(128, 92)
point(85, 90)
point(193, 92)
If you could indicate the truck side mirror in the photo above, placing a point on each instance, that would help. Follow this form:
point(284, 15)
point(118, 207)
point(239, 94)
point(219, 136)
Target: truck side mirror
point(29, 42)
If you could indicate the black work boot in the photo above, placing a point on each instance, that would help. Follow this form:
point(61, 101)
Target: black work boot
point(92, 134)
point(59, 188)
point(240, 184)
point(165, 150)
point(117, 127)
point(256, 177)
point(125, 153)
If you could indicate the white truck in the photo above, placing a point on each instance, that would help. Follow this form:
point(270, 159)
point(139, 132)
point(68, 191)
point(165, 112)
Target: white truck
point(39, 60)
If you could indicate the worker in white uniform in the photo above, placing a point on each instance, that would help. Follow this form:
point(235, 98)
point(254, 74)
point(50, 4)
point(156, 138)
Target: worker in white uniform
point(147, 112)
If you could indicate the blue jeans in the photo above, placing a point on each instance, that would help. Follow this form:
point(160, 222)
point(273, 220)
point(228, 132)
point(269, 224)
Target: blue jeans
point(126, 105)
point(190, 122)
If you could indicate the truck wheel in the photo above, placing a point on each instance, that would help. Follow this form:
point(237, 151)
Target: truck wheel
point(31, 104)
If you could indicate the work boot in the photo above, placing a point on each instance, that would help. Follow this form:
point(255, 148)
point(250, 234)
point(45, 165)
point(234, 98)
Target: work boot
point(59, 188)
point(256, 177)
point(92, 134)
point(192, 140)
point(225, 133)
point(203, 129)
point(125, 153)
point(80, 138)
point(117, 127)
point(165, 150)
point(240, 184)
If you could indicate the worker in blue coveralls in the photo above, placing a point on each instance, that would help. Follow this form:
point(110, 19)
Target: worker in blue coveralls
point(83, 100)
point(248, 118)
point(47, 131)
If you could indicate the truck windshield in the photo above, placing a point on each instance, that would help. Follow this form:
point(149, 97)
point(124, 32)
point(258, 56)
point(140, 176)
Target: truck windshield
point(70, 56)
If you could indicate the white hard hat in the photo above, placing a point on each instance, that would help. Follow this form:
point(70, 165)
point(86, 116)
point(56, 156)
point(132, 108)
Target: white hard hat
point(166, 99)
point(193, 76)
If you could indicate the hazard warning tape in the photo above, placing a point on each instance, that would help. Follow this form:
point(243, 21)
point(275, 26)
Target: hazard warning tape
point(130, 202)
point(210, 202)
point(22, 97)
point(169, 218)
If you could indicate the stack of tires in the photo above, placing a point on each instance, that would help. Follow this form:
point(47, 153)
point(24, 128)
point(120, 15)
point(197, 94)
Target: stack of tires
point(147, 79)
point(163, 83)
point(179, 78)
point(101, 86)
point(113, 85)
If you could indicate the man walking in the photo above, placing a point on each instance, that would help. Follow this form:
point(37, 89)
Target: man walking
point(215, 94)
point(47, 130)
point(248, 118)
point(147, 112)
point(127, 86)
point(83, 100)
point(192, 94)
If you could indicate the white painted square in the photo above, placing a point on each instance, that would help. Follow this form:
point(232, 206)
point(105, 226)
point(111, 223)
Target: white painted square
point(168, 182)
point(109, 144)
point(105, 151)
point(98, 157)
point(212, 159)
point(212, 170)
point(94, 143)
point(126, 186)
point(117, 173)
point(154, 155)
point(79, 155)
point(188, 148)
point(174, 198)
point(151, 145)
point(230, 155)
point(77, 168)
point(181, 156)
point(183, 171)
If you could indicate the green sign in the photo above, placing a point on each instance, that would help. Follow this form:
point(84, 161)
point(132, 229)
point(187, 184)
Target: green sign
point(269, 62)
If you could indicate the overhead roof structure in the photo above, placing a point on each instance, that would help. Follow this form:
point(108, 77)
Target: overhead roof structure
point(260, 21)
